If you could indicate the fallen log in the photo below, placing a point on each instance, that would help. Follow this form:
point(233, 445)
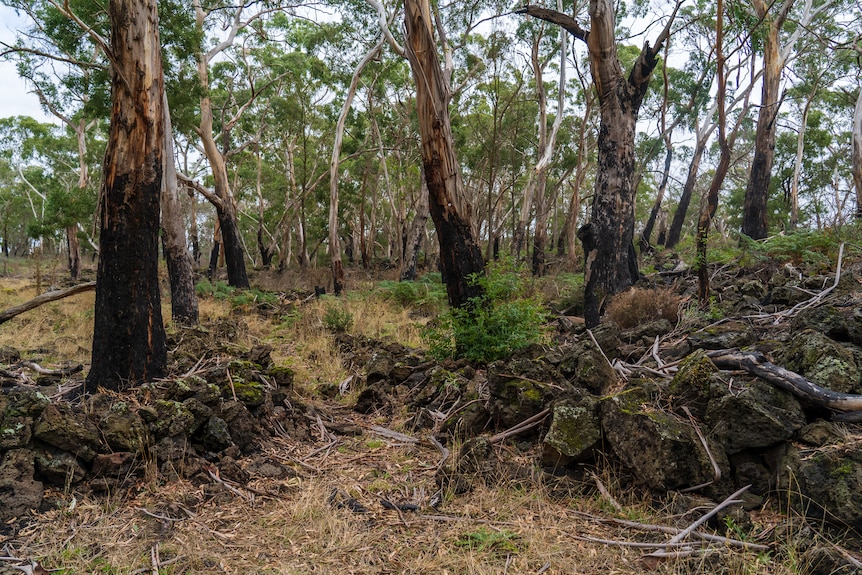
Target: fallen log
point(46, 297)
point(757, 364)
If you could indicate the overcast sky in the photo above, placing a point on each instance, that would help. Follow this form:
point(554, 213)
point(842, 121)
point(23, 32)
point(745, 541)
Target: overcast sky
point(15, 100)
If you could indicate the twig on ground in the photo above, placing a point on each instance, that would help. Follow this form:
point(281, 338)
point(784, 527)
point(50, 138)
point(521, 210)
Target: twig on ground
point(444, 453)
point(605, 493)
point(521, 427)
point(652, 560)
point(715, 468)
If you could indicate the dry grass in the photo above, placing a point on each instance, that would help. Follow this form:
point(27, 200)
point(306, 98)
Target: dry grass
point(289, 527)
point(639, 306)
point(295, 530)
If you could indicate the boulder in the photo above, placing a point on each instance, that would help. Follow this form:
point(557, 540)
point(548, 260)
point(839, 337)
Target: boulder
point(825, 483)
point(723, 335)
point(19, 491)
point(122, 428)
point(660, 449)
point(379, 367)
point(823, 361)
point(57, 467)
point(585, 366)
point(575, 433)
point(759, 416)
point(61, 427)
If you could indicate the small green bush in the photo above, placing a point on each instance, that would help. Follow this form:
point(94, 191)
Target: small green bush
point(510, 316)
point(337, 318)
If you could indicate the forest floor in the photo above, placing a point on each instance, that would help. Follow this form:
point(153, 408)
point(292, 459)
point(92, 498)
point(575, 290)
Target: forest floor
point(355, 503)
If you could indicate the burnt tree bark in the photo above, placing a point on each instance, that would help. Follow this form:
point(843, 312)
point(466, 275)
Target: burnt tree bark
point(460, 256)
point(184, 300)
point(611, 261)
point(128, 335)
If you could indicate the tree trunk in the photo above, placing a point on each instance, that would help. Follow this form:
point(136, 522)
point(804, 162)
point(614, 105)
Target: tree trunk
point(675, 232)
point(237, 276)
point(415, 235)
point(857, 153)
point(184, 301)
point(754, 216)
point(659, 198)
point(128, 334)
point(460, 256)
point(611, 261)
point(74, 252)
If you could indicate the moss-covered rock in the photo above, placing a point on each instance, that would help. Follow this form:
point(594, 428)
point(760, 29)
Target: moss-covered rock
point(662, 450)
point(15, 431)
point(59, 426)
point(123, 428)
point(57, 467)
point(826, 483)
point(724, 335)
point(215, 434)
point(692, 384)
point(172, 419)
point(585, 367)
point(759, 416)
point(823, 361)
point(19, 491)
point(575, 432)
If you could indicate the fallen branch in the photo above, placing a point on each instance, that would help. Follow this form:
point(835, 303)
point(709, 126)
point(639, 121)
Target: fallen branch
point(757, 364)
point(521, 427)
point(33, 366)
point(652, 560)
point(46, 297)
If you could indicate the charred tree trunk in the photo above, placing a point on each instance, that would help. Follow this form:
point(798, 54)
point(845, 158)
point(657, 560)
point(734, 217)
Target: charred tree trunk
point(128, 334)
point(460, 256)
point(611, 261)
point(754, 215)
point(184, 301)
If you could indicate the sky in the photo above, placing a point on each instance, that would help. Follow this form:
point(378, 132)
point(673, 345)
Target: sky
point(15, 99)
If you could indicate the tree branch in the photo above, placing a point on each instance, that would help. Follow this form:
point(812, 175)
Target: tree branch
point(563, 20)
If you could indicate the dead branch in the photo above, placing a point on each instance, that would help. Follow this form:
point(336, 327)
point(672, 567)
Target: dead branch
point(757, 364)
point(651, 560)
point(521, 427)
point(44, 298)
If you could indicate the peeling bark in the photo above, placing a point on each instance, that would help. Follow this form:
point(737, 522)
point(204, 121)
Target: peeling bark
point(129, 336)
point(460, 256)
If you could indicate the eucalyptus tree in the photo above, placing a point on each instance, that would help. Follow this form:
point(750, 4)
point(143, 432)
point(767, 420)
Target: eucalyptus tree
point(460, 256)
point(62, 61)
point(778, 47)
point(611, 262)
point(128, 334)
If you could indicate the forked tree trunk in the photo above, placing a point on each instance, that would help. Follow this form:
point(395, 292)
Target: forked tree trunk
point(460, 256)
point(611, 262)
point(128, 334)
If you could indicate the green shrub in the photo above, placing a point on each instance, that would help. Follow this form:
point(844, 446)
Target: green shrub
point(510, 316)
point(337, 318)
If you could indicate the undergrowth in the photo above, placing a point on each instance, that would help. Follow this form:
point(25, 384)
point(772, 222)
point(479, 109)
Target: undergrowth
point(508, 317)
